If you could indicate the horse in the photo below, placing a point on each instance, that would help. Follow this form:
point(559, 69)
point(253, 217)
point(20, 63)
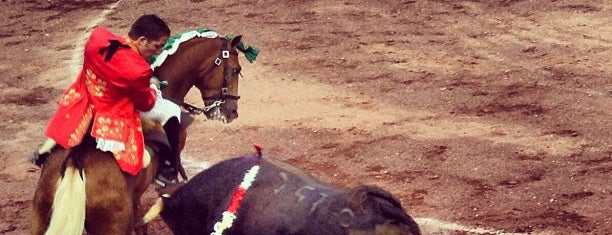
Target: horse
point(256, 194)
point(83, 188)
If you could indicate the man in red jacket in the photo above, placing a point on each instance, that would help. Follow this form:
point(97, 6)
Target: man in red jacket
point(109, 93)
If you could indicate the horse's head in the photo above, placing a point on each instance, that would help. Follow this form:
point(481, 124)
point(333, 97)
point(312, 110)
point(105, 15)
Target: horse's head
point(210, 63)
point(220, 89)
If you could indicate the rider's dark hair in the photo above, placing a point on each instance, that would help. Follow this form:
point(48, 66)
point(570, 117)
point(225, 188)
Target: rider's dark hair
point(150, 26)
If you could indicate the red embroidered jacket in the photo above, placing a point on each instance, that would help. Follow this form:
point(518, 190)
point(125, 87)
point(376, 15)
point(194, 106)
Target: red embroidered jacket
point(109, 93)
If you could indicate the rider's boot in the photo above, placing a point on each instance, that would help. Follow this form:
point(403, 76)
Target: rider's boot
point(168, 169)
point(40, 156)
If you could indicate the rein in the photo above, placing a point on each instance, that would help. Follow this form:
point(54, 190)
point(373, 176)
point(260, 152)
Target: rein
point(195, 110)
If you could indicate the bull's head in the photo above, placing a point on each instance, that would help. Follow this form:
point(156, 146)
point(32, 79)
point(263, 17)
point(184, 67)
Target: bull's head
point(374, 206)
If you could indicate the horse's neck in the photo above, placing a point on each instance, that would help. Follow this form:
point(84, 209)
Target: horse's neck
point(182, 69)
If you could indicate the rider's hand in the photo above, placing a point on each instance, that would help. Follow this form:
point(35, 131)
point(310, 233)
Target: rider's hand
point(156, 89)
point(156, 82)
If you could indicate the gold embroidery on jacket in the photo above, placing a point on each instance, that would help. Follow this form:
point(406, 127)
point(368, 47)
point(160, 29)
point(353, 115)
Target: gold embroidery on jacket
point(95, 86)
point(109, 129)
point(129, 155)
point(69, 97)
point(79, 132)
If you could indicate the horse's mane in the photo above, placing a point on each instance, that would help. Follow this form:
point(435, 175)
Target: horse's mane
point(193, 42)
point(191, 50)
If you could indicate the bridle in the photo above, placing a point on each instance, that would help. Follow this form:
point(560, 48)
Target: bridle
point(222, 58)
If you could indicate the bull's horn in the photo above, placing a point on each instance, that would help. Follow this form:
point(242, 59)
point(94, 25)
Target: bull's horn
point(152, 212)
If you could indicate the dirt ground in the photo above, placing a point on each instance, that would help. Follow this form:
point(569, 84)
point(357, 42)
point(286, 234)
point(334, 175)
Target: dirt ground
point(482, 117)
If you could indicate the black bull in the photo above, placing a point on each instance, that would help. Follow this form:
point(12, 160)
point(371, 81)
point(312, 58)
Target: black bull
point(282, 199)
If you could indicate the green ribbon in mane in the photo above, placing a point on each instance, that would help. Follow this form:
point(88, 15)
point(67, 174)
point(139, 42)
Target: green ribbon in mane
point(176, 37)
point(250, 52)
point(173, 43)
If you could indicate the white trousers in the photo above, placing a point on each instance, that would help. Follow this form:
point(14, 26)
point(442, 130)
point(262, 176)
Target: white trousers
point(162, 111)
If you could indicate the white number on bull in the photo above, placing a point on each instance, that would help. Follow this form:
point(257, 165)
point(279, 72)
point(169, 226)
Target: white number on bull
point(299, 192)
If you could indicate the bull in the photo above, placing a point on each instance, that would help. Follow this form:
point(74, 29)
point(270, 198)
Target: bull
point(261, 195)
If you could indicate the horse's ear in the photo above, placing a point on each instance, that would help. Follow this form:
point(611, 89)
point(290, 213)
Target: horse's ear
point(236, 40)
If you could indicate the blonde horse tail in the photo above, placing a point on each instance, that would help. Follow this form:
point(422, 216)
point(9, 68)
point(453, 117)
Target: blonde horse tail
point(68, 216)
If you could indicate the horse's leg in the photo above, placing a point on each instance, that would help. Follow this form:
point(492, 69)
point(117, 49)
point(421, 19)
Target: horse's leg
point(41, 209)
point(182, 140)
point(138, 229)
point(109, 200)
point(114, 219)
point(140, 183)
point(45, 191)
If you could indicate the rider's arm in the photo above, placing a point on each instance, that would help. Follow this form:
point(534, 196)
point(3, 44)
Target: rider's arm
point(134, 74)
point(143, 94)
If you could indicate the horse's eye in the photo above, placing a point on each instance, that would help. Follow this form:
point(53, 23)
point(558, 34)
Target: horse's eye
point(236, 71)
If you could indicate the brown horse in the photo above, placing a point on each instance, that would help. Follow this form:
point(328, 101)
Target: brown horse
point(83, 188)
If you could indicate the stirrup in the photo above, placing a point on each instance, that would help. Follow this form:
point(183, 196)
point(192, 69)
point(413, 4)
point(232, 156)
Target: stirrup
point(166, 175)
point(163, 181)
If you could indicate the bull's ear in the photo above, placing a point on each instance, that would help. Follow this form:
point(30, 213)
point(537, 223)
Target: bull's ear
point(236, 40)
point(367, 194)
point(375, 200)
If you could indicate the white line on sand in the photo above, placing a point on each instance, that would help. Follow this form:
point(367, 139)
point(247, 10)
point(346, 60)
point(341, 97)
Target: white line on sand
point(77, 55)
point(435, 226)
point(193, 166)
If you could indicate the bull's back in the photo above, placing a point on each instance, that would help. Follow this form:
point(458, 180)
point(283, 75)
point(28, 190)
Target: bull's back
point(280, 200)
